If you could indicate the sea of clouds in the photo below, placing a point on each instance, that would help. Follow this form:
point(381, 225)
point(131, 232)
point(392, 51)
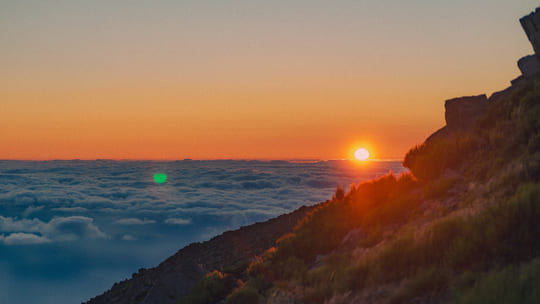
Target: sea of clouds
point(70, 229)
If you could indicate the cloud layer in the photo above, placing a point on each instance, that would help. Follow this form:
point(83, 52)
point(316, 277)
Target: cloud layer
point(35, 231)
point(83, 216)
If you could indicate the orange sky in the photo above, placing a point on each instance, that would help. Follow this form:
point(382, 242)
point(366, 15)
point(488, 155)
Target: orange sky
point(281, 80)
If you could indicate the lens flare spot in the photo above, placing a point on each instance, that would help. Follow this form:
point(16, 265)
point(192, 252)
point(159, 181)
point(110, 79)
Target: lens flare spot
point(160, 178)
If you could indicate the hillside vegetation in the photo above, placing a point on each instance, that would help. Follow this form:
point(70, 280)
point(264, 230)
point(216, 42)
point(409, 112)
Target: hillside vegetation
point(462, 227)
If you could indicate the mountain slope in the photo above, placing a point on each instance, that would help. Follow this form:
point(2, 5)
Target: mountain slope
point(458, 228)
point(231, 251)
point(462, 226)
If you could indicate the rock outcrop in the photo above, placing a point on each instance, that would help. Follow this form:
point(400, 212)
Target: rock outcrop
point(229, 252)
point(531, 26)
point(530, 65)
point(461, 114)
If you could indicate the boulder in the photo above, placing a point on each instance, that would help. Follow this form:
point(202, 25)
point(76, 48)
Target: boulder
point(529, 65)
point(463, 112)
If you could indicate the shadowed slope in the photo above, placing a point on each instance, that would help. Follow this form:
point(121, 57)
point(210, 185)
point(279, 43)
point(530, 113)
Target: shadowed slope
point(232, 251)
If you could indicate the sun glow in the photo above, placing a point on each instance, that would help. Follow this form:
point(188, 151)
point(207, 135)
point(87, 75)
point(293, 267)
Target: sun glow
point(361, 154)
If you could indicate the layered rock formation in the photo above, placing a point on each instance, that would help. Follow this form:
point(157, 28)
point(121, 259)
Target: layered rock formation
point(531, 26)
point(461, 114)
point(530, 65)
point(230, 252)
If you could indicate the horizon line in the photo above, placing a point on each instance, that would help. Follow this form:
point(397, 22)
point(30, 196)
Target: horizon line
point(208, 159)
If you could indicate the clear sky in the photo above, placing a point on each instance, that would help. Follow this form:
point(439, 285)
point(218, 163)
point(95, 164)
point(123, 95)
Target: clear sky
point(244, 79)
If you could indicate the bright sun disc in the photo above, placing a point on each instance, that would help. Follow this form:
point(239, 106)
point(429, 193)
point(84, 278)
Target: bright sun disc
point(361, 154)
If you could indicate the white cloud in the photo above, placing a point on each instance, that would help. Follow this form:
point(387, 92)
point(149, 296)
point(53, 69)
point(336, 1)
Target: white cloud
point(128, 237)
point(177, 221)
point(21, 238)
point(31, 209)
point(70, 209)
point(73, 227)
point(134, 221)
point(58, 229)
point(8, 224)
point(123, 196)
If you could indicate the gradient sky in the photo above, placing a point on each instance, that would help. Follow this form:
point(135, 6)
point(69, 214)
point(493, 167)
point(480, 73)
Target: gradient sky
point(244, 79)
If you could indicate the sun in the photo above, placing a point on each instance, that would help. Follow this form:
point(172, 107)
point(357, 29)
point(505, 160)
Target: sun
point(361, 154)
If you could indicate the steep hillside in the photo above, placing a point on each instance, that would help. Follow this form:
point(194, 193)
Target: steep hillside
point(230, 252)
point(462, 227)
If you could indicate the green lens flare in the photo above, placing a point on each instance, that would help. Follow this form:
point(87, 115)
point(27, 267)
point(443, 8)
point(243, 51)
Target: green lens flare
point(160, 178)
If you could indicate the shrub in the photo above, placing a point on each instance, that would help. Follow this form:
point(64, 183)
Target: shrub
point(508, 285)
point(392, 211)
point(246, 295)
point(329, 222)
point(439, 187)
point(425, 283)
point(369, 205)
point(339, 194)
point(503, 233)
point(212, 288)
point(429, 160)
